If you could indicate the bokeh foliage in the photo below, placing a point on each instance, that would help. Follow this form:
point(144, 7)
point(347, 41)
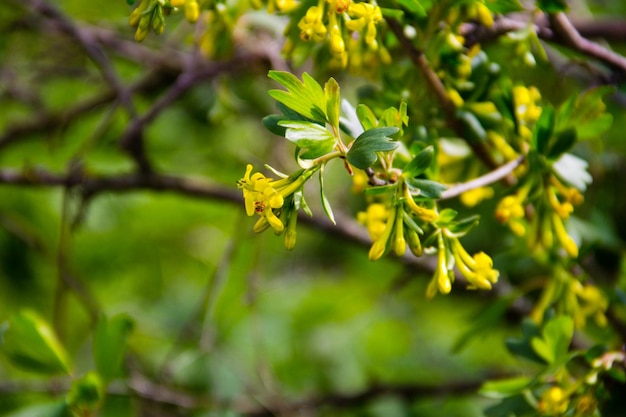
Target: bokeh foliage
point(132, 284)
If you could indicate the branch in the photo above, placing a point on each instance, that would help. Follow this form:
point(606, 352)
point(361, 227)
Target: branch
point(567, 33)
point(489, 178)
point(50, 121)
point(437, 87)
point(90, 46)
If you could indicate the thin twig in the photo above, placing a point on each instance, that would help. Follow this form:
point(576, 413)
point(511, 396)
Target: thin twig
point(489, 178)
point(568, 34)
point(91, 47)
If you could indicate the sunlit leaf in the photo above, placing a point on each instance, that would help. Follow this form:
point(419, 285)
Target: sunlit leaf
point(311, 136)
point(305, 97)
point(333, 102)
point(30, 343)
point(110, 344)
point(325, 203)
point(420, 162)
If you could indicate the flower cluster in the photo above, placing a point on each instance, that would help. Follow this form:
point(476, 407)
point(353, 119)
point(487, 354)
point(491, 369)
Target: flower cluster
point(553, 204)
point(266, 197)
point(526, 110)
point(350, 29)
point(150, 14)
point(477, 270)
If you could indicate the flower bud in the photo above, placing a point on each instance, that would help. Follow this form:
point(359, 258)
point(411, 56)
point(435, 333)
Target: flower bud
point(192, 11)
point(414, 242)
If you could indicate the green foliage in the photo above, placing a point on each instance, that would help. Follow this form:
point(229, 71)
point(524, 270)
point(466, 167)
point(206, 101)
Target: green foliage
point(363, 152)
point(130, 170)
point(30, 343)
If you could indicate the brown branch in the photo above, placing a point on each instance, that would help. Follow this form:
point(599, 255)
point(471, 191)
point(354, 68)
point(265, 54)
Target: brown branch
point(489, 178)
point(436, 86)
point(47, 122)
point(566, 33)
point(557, 29)
point(90, 46)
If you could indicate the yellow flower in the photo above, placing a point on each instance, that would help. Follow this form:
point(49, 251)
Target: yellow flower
point(261, 197)
point(442, 280)
point(364, 16)
point(592, 303)
point(339, 6)
point(553, 402)
point(473, 197)
point(311, 25)
point(478, 270)
point(527, 111)
point(425, 214)
point(374, 219)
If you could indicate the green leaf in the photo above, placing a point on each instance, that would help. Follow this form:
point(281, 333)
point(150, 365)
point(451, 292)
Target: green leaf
point(55, 409)
point(413, 6)
point(504, 6)
point(271, 123)
point(362, 154)
point(420, 163)
point(561, 142)
point(473, 130)
point(333, 102)
point(446, 216)
point(484, 321)
point(462, 227)
point(505, 387)
point(543, 130)
point(325, 203)
point(305, 97)
point(555, 339)
point(587, 113)
point(521, 347)
point(308, 135)
point(427, 188)
point(514, 406)
point(366, 117)
point(30, 343)
point(552, 6)
point(109, 345)
point(381, 189)
point(87, 392)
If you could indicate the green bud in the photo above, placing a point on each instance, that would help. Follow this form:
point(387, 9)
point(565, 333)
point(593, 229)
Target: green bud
point(413, 240)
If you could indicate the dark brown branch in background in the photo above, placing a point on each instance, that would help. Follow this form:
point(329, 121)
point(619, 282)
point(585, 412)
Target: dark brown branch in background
point(558, 29)
point(436, 86)
point(91, 47)
point(567, 34)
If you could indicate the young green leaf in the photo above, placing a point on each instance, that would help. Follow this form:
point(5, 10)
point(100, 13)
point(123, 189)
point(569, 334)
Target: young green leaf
point(427, 188)
point(552, 6)
point(325, 202)
point(543, 130)
point(473, 131)
point(30, 343)
point(305, 97)
point(366, 117)
point(412, 6)
point(420, 163)
point(333, 102)
point(555, 339)
point(462, 227)
point(87, 392)
point(110, 345)
point(362, 154)
point(505, 388)
point(561, 142)
point(307, 135)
